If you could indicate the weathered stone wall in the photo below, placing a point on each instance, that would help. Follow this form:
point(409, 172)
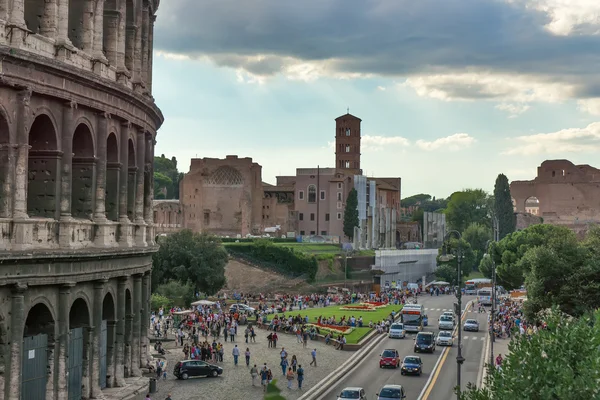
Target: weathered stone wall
point(409, 231)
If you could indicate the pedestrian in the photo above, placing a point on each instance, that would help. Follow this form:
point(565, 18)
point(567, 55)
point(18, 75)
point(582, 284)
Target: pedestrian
point(290, 378)
point(264, 378)
point(148, 397)
point(275, 337)
point(246, 333)
point(232, 333)
point(499, 362)
point(314, 357)
point(294, 363)
point(168, 397)
point(247, 357)
point(284, 365)
point(254, 374)
point(235, 353)
point(300, 376)
point(270, 339)
point(283, 353)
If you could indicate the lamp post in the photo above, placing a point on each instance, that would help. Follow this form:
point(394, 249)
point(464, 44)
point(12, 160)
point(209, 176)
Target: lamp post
point(459, 358)
point(496, 232)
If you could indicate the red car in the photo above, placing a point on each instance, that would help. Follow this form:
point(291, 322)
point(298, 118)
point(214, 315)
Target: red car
point(389, 358)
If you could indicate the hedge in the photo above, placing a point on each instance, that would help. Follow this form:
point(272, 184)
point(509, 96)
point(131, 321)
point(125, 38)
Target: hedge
point(281, 258)
point(252, 240)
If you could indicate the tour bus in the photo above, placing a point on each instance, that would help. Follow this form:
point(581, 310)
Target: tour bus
point(472, 286)
point(484, 296)
point(412, 317)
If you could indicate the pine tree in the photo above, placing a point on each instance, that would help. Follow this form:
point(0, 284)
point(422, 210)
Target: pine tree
point(351, 214)
point(503, 207)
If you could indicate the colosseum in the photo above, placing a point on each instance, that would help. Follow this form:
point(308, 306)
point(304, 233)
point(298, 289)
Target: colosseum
point(77, 132)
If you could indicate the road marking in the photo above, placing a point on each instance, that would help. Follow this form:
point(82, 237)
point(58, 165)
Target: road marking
point(440, 362)
point(465, 337)
point(483, 338)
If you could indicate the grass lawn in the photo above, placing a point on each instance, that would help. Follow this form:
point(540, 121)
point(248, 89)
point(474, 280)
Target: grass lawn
point(473, 275)
point(358, 333)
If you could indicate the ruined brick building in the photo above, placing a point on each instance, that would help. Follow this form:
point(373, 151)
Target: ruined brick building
point(227, 197)
point(562, 194)
point(77, 132)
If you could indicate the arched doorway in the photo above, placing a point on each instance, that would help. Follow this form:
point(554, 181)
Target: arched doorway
point(4, 168)
point(82, 184)
point(77, 367)
point(43, 167)
point(77, 23)
point(113, 168)
point(532, 206)
point(131, 181)
point(107, 341)
point(514, 204)
point(128, 332)
point(38, 339)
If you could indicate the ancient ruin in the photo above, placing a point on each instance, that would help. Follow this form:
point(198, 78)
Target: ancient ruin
point(77, 132)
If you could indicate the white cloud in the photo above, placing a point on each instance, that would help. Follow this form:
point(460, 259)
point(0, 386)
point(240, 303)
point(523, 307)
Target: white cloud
point(572, 140)
point(382, 88)
point(379, 142)
point(514, 110)
point(454, 142)
point(590, 106)
point(568, 16)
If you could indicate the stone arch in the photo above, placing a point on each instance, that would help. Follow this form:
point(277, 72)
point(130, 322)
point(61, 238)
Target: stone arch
point(226, 176)
point(80, 321)
point(79, 314)
point(82, 186)
point(34, 11)
point(131, 179)
point(43, 168)
point(130, 32)
point(113, 168)
point(109, 311)
point(532, 205)
point(79, 28)
point(39, 333)
point(5, 162)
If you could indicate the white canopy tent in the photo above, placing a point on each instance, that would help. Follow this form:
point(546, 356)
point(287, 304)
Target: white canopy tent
point(203, 303)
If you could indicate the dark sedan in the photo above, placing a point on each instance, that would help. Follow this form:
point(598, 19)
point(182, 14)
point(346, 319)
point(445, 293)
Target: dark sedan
point(189, 368)
point(412, 365)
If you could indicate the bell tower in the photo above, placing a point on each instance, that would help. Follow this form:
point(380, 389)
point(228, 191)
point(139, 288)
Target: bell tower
point(347, 144)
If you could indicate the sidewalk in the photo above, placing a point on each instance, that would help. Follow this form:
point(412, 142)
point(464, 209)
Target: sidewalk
point(500, 347)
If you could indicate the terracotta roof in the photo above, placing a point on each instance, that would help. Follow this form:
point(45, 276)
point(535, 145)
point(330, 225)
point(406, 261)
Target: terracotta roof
point(348, 116)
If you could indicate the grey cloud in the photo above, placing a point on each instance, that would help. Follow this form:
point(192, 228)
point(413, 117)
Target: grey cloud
point(385, 37)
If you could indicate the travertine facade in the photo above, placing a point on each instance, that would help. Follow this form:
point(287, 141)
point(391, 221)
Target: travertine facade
point(167, 216)
point(222, 196)
point(566, 194)
point(77, 134)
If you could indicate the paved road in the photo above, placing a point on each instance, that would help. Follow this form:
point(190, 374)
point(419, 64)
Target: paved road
point(369, 376)
point(442, 385)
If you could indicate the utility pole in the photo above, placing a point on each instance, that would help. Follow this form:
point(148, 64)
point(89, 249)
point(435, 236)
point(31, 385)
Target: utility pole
point(493, 311)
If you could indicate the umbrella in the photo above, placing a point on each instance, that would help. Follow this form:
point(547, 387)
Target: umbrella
point(203, 303)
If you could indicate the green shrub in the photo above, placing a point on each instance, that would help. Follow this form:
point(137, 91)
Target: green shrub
point(251, 240)
point(157, 301)
point(283, 259)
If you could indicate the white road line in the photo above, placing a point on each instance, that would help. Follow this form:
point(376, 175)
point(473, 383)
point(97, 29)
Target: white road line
point(437, 309)
point(483, 338)
point(465, 337)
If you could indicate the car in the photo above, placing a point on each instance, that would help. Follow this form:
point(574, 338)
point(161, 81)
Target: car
point(391, 392)
point(424, 342)
point(242, 308)
point(445, 338)
point(425, 320)
point(471, 325)
point(397, 331)
point(449, 314)
point(353, 393)
point(446, 322)
point(411, 365)
point(188, 368)
point(389, 358)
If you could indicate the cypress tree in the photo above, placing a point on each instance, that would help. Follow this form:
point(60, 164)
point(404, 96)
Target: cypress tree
point(351, 214)
point(503, 207)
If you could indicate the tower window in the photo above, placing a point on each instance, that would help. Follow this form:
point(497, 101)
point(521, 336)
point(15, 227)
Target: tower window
point(312, 194)
point(347, 164)
point(348, 132)
point(322, 195)
point(347, 148)
point(312, 216)
point(301, 195)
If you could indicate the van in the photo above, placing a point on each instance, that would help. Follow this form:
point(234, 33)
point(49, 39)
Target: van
point(424, 342)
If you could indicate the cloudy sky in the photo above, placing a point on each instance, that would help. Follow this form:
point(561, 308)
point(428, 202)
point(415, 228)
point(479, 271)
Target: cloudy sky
point(451, 92)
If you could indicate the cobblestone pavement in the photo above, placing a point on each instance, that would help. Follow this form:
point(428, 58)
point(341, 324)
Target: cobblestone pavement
point(236, 383)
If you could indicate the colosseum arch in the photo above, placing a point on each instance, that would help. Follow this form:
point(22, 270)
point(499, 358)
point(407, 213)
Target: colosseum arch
point(40, 16)
point(82, 187)
point(79, 347)
point(113, 167)
point(5, 162)
point(131, 179)
point(39, 335)
point(80, 28)
point(130, 34)
point(43, 168)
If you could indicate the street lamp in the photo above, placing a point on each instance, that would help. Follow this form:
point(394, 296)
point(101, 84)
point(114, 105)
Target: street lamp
point(493, 311)
point(447, 257)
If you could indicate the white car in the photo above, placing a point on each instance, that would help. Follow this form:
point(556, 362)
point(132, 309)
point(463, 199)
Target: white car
point(357, 393)
point(397, 331)
point(449, 314)
point(446, 322)
point(241, 308)
point(445, 339)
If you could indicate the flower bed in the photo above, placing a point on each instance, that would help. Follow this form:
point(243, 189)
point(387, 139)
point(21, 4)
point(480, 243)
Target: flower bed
point(358, 307)
point(334, 329)
point(376, 304)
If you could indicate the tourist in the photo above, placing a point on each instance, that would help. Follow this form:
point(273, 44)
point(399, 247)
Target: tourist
point(290, 378)
point(314, 357)
point(300, 376)
point(264, 377)
point(294, 363)
point(235, 353)
point(254, 374)
point(247, 354)
point(284, 365)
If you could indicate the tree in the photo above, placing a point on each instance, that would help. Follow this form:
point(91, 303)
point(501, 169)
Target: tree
point(351, 214)
point(486, 265)
point(560, 362)
point(447, 270)
point(191, 258)
point(415, 200)
point(166, 176)
point(503, 207)
point(477, 235)
point(466, 207)
point(179, 294)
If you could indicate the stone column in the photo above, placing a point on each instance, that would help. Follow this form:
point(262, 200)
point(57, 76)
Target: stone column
point(130, 48)
point(145, 41)
point(111, 329)
point(4, 6)
point(128, 345)
point(99, 286)
point(98, 33)
point(62, 32)
point(124, 148)
point(149, 185)
point(67, 160)
point(141, 161)
point(150, 53)
point(87, 31)
point(111, 17)
point(12, 388)
point(17, 14)
point(100, 211)
point(22, 159)
point(49, 19)
point(63, 338)
point(121, 45)
point(119, 372)
point(7, 157)
point(136, 342)
point(145, 324)
point(137, 47)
